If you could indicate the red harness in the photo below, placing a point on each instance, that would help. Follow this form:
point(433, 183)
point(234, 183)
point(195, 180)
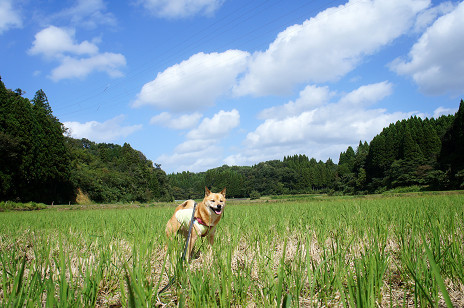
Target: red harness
point(201, 222)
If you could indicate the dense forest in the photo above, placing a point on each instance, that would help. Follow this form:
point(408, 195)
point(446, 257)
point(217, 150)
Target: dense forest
point(40, 163)
point(112, 173)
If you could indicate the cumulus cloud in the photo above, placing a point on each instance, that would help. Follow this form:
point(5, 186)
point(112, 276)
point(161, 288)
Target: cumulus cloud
point(107, 131)
point(328, 46)
point(88, 14)
point(194, 83)
point(181, 8)
point(9, 17)
point(185, 121)
point(435, 61)
point(55, 42)
point(367, 95)
point(105, 62)
point(197, 161)
point(215, 127)
point(201, 149)
point(310, 97)
point(321, 128)
point(76, 60)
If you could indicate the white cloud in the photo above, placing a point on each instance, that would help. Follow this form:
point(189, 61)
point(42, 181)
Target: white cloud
point(197, 161)
point(88, 14)
point(79, 68)
point(194, 83)
point(54, 42)
point(181, 8)
point(76, 60)
point(9, 17)
point(329, 122)
point(185, 121)
point(107, 131)
point(200, 150)
point(310, 97)
point(428, 16)
point(328, 46)
point(435, 61)
point(217, 126)
point(320, 129)
point(368, 94)
point(443, 111)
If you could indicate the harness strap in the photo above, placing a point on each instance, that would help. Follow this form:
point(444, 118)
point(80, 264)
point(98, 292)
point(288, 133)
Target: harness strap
point(190, 231)
point(171, 281)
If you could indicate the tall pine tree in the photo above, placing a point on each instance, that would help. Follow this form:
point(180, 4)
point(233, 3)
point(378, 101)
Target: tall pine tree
point(452, 151)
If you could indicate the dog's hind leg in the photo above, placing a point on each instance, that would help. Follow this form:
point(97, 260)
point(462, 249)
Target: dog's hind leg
point(191, 243)
point(172, 227)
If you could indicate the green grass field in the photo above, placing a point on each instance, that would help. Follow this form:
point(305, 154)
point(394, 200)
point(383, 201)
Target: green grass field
point(387, 251)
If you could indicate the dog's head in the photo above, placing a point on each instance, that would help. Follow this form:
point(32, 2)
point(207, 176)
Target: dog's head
point(215, 201)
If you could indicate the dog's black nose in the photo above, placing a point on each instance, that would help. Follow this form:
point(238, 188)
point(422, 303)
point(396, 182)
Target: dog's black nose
point(219, 206)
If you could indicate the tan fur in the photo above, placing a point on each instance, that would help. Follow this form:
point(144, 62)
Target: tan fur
point(204, 211)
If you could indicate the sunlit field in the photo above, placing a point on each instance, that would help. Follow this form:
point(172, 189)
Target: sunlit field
point(299, 252)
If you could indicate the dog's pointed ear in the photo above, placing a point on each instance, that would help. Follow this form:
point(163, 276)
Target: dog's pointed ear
point(207, 192)
point(223, 192)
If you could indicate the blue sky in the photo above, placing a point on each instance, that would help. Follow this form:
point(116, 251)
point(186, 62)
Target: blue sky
point(195, 84)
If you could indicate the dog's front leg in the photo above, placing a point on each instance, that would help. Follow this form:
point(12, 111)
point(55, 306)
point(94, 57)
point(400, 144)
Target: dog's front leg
point(211, 235)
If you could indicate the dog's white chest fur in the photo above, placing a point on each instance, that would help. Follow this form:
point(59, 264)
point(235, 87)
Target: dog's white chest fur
point(184, 217)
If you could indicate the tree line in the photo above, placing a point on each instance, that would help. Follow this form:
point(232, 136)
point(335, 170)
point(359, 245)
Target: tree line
point(423, 154)
point(40, 163)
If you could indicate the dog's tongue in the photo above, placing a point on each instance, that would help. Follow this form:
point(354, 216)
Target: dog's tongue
point(217, 211)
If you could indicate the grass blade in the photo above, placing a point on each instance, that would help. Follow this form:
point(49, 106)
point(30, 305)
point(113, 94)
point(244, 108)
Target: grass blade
point(436, 273)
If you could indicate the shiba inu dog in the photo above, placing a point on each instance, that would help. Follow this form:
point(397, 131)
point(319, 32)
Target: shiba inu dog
point(207, 215)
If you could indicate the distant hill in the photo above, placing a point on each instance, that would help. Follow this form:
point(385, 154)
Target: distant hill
point(112, 173)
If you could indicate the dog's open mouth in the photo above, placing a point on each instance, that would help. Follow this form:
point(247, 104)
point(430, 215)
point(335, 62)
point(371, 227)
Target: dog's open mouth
point(218, 211)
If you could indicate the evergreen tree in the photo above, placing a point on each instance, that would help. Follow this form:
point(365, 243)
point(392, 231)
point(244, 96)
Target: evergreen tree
point(410, 150)
point(361, 155)
point(347, 159)
point(431, 144)
point(52, 159)
point(452, 151)
point(376, 161)
point(33, 147)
